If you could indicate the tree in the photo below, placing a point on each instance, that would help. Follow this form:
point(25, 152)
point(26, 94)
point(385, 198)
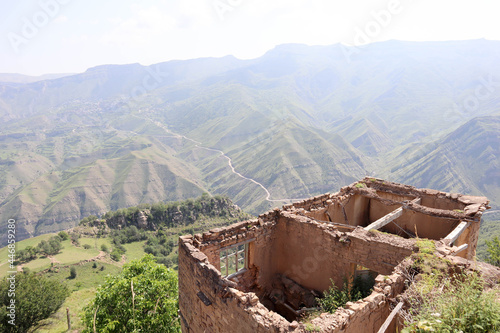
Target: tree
point(104, 248)
point(116, 255)
point(493, 251)
point(143, 297)
point(64, 235)
point(36, 298)
point(50, 247)
point(72, 272)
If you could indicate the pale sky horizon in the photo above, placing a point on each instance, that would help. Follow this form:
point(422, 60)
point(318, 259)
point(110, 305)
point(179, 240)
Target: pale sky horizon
point(69, 36)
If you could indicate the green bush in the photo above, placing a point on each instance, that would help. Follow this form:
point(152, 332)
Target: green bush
point(72, 272)
point(335, 298)
point(147, 295)
point(128, 235)
point(63, 235)
point(116, 255)
point(493, 256)
point(36, 297)
point(86, 246)
point(50, 247)
point(75, 238)
point(104, 248)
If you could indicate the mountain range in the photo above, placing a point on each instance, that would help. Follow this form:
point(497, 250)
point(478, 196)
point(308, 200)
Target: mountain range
point(296, 122)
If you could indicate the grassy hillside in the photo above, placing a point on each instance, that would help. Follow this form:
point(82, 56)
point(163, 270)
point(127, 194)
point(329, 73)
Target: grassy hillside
point(166, 221)
point(296, 122)
point(465, 161)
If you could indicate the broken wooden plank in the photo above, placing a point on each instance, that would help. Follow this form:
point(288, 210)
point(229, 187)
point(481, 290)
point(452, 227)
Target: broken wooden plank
point(452, 236)
point(389, 319)
point(384, 220)
point(460, 248)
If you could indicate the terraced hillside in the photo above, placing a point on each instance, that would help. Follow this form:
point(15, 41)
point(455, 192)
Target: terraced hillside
point(296, 122)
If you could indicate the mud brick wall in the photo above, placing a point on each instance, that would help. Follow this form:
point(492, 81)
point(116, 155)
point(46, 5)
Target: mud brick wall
point(209, 303)
point(312, 253)
point(292, 243)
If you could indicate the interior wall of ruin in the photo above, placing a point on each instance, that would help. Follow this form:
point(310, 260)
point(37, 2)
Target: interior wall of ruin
point(422, 225)
point(441, 202)
point(357, 210)
point(208, 303)
point(311, 253)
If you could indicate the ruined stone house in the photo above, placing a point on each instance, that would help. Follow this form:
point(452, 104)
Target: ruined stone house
point(261, 275)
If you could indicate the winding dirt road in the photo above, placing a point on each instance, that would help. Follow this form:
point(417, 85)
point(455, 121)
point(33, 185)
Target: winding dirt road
point(229, 161)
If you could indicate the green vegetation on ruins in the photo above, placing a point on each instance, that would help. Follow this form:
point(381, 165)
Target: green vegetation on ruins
point(445, 298)
point(336, 297)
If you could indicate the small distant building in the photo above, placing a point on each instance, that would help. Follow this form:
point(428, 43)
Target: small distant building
point(260, 275)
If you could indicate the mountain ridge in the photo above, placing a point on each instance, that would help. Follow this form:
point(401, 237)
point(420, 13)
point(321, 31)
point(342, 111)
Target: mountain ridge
point(299, 120)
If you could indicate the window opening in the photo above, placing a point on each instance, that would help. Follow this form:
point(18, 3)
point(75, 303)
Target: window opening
point(234, 259)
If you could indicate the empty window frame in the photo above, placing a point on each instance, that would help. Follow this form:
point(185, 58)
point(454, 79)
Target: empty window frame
point(234, 259)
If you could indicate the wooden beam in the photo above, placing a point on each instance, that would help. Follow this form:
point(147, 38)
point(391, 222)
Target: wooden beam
point(385, 219)
point(452, 236)
point(460, 248)
point(389, 217)
point(389, 319)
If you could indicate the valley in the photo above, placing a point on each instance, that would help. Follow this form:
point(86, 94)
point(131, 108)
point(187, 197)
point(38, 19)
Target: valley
point(297, 122)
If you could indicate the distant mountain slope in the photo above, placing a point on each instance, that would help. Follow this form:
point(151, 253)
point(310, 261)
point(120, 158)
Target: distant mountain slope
point(296, 122)
point(465, 161)
point(21, 79)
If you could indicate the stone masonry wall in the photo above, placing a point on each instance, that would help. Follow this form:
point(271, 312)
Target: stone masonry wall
point(312, 253)
point(209, 303)
point(282, 241)
point(292, 243)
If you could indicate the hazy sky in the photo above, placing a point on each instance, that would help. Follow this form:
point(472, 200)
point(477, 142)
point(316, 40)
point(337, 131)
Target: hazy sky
point(59, 36)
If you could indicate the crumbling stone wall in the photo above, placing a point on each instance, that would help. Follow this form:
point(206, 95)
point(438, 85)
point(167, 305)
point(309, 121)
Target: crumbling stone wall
point(307, 244)
point(298, 247)
point(437, 214)
point(209, 303)
point(312, 253)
